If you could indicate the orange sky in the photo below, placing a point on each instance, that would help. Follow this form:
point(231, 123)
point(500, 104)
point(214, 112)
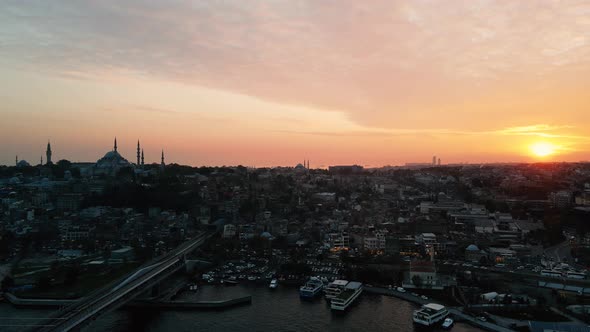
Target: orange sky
point(270, 83)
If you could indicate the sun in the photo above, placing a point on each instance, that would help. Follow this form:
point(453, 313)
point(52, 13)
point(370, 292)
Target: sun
point(543, 149)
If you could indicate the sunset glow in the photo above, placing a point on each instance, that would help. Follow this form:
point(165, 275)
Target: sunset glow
point(543, 149)
point(272, 83)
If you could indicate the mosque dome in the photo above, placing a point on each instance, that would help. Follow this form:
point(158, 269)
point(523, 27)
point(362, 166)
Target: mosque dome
point(472, 247)
point(299, 166)
point(266, 235)
point(111, 162)
point(23, 163)
point(112, 159)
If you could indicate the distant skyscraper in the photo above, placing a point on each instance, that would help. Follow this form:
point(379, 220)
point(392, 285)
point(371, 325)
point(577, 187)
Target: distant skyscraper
point(48, 153)
point(438, 161)
point(434, 160)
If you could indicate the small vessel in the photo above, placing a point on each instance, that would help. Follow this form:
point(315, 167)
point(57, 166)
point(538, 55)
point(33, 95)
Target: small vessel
point(273, 284)
point(351, 292)
point(312, 288)
point(251, 278)
point(335, 288)
point(430, 314)
point(448, 323)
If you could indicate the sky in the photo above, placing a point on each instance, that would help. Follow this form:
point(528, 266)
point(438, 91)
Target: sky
point(268, 83)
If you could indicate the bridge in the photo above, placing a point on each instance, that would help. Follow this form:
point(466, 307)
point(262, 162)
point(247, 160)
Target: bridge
point(81, 313)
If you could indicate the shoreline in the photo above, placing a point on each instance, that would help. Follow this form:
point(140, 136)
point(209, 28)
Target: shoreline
point(172, 305)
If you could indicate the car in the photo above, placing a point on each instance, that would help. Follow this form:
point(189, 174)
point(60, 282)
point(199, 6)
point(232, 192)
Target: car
point(424, 297)
point(482, 318)
point(414, 294)
point(401, 289)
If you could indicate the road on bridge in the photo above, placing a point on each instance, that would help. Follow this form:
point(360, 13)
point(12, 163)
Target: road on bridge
point(117, 294)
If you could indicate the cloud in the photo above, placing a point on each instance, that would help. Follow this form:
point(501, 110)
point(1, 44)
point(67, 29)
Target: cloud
point(533, 129)
point(540, 130)
point(143, 109)
point(385, 63)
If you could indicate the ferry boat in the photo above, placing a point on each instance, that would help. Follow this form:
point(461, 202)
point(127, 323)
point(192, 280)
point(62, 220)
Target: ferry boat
point(335, 288)
point(430, 314)
point(351, 292)
point(312, 288)
point(273, 284)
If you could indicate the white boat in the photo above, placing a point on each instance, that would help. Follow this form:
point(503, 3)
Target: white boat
point(273, 284)
point(448, 323)
point(311, 289)
point(350, 293)
point(335, 288)
point(430, 314)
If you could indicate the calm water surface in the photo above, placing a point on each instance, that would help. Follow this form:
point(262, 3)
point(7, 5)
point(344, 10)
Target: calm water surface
point(271, 310)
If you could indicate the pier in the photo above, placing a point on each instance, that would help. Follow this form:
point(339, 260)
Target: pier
point(170, 305)
point(189, 305)
point(455, 311)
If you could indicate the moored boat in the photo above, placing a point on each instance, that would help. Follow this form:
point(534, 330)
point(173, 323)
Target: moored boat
point(312, 288)
point(430, 314)
point(335, 288)
point(351, 292)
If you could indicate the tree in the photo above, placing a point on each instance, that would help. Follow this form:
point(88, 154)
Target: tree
point(71, 275)
point(7, 282)
point(417, 281)
point(64, 164)
point(44, 282)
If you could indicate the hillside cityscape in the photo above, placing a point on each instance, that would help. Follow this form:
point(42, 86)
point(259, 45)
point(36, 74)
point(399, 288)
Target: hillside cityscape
point(506, 247)
point(295, 166)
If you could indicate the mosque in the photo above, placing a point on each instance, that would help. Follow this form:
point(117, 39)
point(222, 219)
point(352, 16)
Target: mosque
point(112, 161)
point(110, 164)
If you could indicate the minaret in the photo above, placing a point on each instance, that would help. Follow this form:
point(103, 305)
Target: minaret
point(48, 153)
point(41, 163)
point(162, 165)
point(142, 160)
point(115, 148)
point(138, 154)
point(16, 161)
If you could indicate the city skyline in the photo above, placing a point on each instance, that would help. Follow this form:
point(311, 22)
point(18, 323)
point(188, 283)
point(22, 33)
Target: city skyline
point(540, 149)
point(380, 84)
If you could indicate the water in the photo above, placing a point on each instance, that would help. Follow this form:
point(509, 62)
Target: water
point(271, 310)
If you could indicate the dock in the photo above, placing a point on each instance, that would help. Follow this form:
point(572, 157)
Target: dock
point(455, 311)
point(190, 305)
point(171, 305)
